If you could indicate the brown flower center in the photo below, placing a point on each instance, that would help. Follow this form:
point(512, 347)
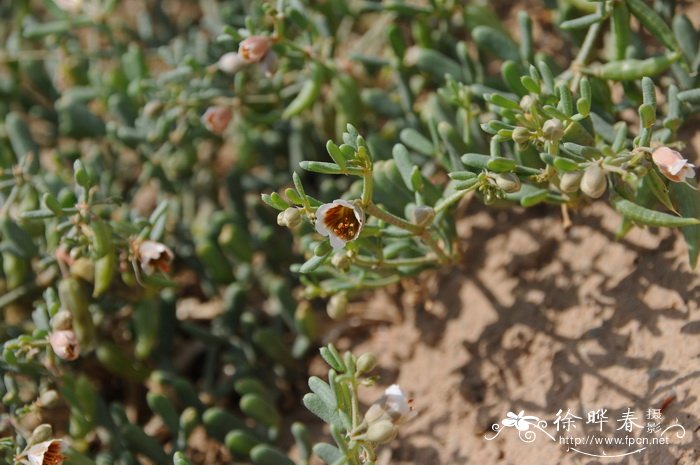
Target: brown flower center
point(53, 454)
point(342, 222)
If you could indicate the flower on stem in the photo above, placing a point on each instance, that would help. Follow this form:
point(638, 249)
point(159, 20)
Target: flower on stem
point(383, 417)
point(672, 164)
point(393, 406)
point(44, 453)
point(216, 119)
point(154, 256)
point(254, 48)
point(65, 344)
point(397, 405)
point(341, 221)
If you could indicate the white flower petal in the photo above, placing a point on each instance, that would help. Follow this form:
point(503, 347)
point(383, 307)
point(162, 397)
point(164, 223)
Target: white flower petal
point(689, 172)
point(509, 422)
point(677, 166)
point(336, 242)
point(397, 405)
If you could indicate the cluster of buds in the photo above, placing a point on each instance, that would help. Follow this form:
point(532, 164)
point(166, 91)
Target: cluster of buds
point(381, 421)
point(254, 49)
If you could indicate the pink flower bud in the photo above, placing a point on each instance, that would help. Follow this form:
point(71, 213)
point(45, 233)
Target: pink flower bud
point(65, 344)
point(672, 164)
point(254, 48)
point(216, 119)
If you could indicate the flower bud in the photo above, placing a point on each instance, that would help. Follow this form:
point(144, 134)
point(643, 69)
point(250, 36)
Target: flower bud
point(41, 433)
point(521, 135)
point(570, 182)
point(65, 344)
point(291, 217)
point(63, 319)
point(83, 268)
point(216, 119)
point(152, 108)
point(553, 129)
point(366, 363)
point(337, 306)
point(526, 102)
point(340, 261)
point(509, 182)
point(49, 399)
point(594, 182)
point(375, 413)
point(381, 432)
point(423, 215)
point(231, 63)
point(254, 48)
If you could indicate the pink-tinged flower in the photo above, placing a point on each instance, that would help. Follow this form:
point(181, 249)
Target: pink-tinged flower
point(341, 221)
point(216, 119)
point(154, 256)
point(672, 164)
point(254, 48)
point(44, 453)
point(65, 344)
point(397, 405)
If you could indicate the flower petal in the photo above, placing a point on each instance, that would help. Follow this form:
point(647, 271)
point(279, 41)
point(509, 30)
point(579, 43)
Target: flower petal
point(336, 242)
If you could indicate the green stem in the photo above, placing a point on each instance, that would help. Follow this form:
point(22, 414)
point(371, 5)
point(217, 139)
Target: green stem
point(432, 243)
point(367, 188)
point(453, 198)
point(395, 262)
point(584, 53)
point(392, 219)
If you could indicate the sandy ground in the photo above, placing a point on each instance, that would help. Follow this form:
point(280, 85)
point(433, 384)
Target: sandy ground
point(541, 319)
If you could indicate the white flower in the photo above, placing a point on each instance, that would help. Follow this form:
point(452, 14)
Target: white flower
point(154, 256)
point(519, 421)
point(672, 164)
point(341, 221)
point(44, 453)
point(397, 405)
